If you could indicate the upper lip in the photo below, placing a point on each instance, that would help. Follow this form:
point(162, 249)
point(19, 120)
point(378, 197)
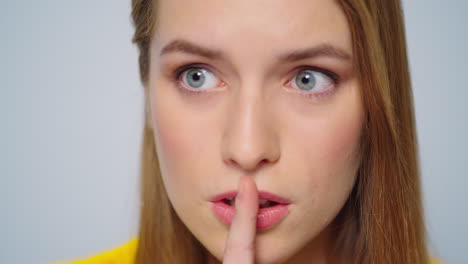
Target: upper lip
point(261, 195)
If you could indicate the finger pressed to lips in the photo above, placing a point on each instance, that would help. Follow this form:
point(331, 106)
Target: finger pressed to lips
point(240, 245)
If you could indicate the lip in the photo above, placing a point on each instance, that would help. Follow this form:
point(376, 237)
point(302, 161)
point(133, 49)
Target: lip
point(266, 217)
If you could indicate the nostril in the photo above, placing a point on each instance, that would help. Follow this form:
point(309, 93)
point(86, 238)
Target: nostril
point(247, 166)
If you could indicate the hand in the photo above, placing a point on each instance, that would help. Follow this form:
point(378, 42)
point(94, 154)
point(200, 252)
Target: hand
point(240, 244)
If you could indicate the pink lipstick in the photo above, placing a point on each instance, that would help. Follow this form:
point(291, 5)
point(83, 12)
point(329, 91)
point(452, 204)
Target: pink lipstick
point(272, 208)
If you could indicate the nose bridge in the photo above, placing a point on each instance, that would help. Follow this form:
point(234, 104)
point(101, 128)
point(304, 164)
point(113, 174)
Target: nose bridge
point(249, 137)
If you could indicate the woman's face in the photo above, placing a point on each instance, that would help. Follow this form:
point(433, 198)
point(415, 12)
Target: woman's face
point(271, 94)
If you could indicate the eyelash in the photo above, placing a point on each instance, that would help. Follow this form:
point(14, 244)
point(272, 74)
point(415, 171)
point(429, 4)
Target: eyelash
point(335, 78)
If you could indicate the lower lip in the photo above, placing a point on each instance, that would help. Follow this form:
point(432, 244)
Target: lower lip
point(266, 217)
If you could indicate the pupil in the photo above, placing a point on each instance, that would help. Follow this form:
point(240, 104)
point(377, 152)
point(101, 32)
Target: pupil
point(196, 76)
point(305, 80)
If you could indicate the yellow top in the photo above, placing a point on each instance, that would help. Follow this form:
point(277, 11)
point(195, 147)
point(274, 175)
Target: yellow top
point(124, 254)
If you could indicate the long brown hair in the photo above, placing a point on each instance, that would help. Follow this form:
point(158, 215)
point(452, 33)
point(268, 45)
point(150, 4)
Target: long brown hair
point(382, 220)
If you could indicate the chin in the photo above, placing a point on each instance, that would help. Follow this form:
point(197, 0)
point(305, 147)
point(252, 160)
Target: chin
point(272, 249)
point(270, 258)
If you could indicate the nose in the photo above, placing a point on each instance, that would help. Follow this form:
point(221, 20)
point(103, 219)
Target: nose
point(249, 139)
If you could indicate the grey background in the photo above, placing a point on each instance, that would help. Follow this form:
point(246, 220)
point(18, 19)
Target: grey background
point(71, 112)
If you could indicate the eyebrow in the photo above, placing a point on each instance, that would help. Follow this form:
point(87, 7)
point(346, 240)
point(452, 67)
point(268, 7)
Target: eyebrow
point(185, 46)
point(321, 50)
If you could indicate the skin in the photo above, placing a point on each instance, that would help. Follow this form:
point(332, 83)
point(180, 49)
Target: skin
point(253, 128)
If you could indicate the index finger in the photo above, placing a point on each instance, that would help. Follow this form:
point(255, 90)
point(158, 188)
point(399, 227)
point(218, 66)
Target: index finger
point(240, 245)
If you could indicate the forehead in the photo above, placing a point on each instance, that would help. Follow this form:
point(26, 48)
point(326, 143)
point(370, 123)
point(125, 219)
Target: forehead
point(258, 26)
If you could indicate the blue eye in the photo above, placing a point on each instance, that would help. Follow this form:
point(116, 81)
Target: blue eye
point(310, 80)
point(199, 78)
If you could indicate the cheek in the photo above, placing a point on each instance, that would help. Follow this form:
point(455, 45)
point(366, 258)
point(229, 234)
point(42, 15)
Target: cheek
point(329, 152)
point(177, 151)
point(185, 137)
point(336, 142)
point(335, 136)
point(175, 145)
point(330, 163)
